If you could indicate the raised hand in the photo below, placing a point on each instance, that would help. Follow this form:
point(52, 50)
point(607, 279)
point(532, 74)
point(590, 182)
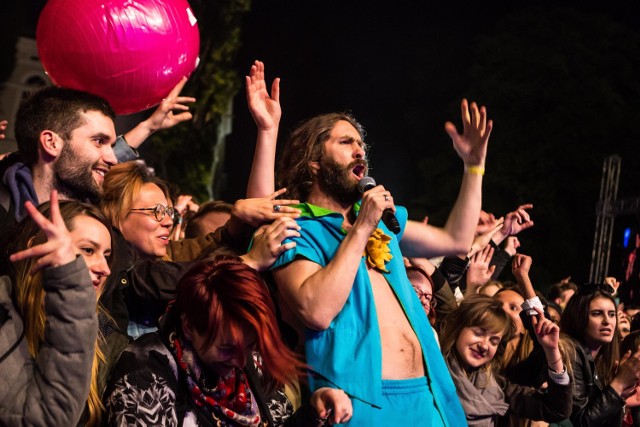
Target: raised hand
point(265, 109)
point(163, 117)
point(471, 145)
point(479, 271)
point(58, 249)
point(267, 243)
point(521, 265)
point(487, 222)
point(613, 282)
point(482, 240)
point(512, 245)
point(257, 211)
point(332, 405)
point(517, 221)
point(547, 332)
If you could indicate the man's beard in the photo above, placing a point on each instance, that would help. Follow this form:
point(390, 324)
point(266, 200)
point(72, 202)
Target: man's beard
point(335, 180)
point(73, 176)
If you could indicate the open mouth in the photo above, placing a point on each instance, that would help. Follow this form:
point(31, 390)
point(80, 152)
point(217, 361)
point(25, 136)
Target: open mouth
point(100, 172)
point(359, 170)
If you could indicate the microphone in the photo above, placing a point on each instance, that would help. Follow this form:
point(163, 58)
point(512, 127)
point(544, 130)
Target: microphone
point(388, 217)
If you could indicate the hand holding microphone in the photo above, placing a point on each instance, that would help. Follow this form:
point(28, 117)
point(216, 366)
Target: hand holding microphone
point(388, 217)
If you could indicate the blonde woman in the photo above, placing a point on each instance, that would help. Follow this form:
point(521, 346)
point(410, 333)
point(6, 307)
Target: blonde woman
point(48, 348)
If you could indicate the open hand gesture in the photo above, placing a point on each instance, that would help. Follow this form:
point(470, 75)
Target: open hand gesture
point(479, 271)
point(163, 117)
point(58, 249)
point(517, 221)
point(265, 109)
point(471, 146)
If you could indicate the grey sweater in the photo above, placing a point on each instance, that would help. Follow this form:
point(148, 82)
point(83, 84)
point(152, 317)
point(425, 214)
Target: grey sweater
point(53, 388)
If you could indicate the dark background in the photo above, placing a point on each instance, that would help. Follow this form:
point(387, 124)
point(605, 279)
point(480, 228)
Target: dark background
point(560, 81)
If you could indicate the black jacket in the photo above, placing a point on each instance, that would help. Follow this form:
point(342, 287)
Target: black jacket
point(593, 403)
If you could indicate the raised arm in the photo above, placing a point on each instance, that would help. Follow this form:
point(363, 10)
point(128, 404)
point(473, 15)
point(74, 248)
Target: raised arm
point(163, 117)
point(266, 113)
point(514, 223)
point(457, 235)
point(520, 268)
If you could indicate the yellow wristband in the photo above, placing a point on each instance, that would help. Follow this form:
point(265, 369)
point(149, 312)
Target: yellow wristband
point(474, 170)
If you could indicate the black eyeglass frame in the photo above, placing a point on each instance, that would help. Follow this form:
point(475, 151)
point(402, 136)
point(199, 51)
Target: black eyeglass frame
point(159, 211)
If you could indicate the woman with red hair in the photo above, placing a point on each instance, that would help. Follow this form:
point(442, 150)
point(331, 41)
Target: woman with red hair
point(217, 359)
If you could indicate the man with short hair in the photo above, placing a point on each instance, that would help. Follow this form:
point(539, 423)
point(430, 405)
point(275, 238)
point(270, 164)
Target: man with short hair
point(67, 141)
point(345, 280)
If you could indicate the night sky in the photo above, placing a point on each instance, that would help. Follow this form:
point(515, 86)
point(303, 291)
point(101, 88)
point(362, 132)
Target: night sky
point(402, 70)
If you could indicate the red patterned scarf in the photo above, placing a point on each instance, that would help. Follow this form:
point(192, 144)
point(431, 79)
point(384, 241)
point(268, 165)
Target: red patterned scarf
point(230, 400)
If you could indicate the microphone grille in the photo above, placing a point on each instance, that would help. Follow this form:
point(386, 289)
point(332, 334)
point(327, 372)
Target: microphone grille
point(366, 183)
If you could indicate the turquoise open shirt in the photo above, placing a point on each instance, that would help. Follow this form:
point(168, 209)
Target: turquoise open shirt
point(348, 354)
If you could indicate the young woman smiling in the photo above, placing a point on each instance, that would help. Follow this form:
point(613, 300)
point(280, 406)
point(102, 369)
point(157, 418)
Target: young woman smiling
point(473, 342)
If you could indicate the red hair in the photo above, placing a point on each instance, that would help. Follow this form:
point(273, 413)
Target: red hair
point(226, 294)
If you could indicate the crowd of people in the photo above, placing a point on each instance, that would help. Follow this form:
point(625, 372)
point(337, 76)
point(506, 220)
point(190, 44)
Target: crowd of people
point(313, 301)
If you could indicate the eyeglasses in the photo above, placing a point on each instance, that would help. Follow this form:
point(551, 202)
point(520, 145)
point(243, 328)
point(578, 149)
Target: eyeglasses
point(426, 299)
point(589, 288)
point(159, 212)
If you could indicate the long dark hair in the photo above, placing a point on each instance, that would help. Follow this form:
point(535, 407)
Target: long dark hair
point(575, 319)
point(304, 146)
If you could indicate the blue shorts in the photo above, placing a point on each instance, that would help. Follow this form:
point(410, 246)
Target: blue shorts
point(405, 403)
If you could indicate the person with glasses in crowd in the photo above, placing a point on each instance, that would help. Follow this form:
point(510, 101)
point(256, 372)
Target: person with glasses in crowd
point(603, 379)
point(140, 207)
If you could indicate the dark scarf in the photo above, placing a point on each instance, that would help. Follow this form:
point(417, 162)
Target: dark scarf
point(19, 182)
point(229, 401)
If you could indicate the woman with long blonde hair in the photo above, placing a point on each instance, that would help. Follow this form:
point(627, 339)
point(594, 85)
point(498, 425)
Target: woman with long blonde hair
point(55, 280)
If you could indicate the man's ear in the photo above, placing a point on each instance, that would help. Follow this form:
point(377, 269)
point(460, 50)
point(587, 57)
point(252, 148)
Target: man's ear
point(315, 166)
point(51, 143)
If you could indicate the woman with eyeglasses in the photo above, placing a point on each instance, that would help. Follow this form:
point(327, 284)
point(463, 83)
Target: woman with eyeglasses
point(432, 290)
point(602, 380)
point(139, 205)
